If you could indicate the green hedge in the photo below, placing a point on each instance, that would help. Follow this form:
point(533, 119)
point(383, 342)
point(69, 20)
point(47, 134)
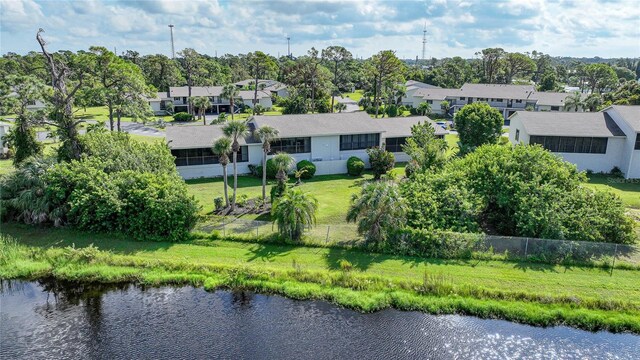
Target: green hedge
point(355, 166)
point(307, 165)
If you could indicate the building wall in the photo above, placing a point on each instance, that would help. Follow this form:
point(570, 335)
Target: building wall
point(595, 162)
point(325, 154)
point(325, 147)
point(630, 164)
point(4, 129)
point(598, 162)
point(265, 102)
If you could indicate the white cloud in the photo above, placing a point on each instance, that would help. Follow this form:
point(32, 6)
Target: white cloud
point(455, 27)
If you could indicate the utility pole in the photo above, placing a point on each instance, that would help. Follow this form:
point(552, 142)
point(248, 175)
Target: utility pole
point(173, 50)
point(289, 46)
point(424, 41)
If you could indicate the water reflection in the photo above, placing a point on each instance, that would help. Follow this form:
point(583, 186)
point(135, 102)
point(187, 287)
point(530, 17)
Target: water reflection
point(48, 319)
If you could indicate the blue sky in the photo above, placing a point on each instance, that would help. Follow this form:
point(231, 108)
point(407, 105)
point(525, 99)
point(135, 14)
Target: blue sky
point(606, 28)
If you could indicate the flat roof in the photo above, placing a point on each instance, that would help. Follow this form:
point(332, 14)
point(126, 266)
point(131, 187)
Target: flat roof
point(580, 124)
point(320, 124)
point(401, 126)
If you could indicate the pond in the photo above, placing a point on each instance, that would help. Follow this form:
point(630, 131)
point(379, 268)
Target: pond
point(47, 319)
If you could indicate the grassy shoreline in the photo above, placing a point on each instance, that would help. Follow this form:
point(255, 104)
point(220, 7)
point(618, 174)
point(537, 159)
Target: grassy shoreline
point(534, 294)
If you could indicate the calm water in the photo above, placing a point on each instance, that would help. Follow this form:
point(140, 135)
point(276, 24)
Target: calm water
point(45, 320)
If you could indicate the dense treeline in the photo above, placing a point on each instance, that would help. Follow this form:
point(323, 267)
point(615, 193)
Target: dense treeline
point(317, 76)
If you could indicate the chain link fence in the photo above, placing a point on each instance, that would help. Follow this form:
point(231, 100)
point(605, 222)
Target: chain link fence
point(545, 250)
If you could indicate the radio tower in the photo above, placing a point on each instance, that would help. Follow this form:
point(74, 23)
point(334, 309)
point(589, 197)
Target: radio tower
point(424, 41)
point(173, 50)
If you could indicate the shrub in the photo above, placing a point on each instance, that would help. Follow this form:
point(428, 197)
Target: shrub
point(271, 170)
point(135, 193)
point(308, 166)
point(391, 110)
point(355, 166)
point(182, 116)
point(616, 172)
point(218, 203)
point(381, 161)
point(517, 191)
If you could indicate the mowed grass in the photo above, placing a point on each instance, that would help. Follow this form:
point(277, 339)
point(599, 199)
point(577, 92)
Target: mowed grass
point(627, 189)
point(333, 192)
point(515, 291)
point(6, 166)
point(98, 113)
point(355, 96)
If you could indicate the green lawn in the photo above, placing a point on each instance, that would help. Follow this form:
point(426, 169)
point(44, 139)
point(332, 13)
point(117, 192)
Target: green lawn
point(628, 190)
point(332, 191)
point(102, 113)
point(6, 166)
point(355, 96)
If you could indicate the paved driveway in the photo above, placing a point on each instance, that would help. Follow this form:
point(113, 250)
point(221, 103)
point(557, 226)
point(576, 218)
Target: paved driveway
point(352, 105)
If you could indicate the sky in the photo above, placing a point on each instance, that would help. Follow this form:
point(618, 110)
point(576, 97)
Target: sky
point(605, 28)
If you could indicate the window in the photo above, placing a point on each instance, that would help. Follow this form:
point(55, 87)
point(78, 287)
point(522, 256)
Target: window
point(568, 144)
point(517, 134)
point(204, 156)
point(499, 100)
point(31, 102)
point(176, 99)
point(555, 108)
point(394, 144)
point(637, 142)
point(291, 145)
point(518, 101)
point(357, 142)
point(429, 101)
point(463, 98)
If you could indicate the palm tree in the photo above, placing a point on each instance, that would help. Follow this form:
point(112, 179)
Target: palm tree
point(293, 212)
point(424, 108)
point(266, 135)
point(592, 102)
point(231, 92)
point(340, 106)
point(573, 101)
point(378, 209)
point(222, 148)
point(283, 162)
point(445, 107)
point(201, 103)
point(235, 130)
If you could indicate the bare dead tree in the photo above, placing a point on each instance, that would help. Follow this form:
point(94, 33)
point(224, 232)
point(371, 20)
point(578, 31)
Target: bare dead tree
point(62, 115)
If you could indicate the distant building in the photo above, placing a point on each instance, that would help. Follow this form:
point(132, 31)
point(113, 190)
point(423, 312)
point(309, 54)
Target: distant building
point(597, 141)
point(506, 98)
point(179, 97)
point(4, 130)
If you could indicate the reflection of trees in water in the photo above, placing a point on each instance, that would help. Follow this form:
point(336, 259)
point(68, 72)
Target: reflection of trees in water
point(242, 299)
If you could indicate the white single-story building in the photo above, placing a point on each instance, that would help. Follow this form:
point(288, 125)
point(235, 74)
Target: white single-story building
point(274, 87)
point(179, 97)
point(597, 141)
point(327, 140)
point(506, 98)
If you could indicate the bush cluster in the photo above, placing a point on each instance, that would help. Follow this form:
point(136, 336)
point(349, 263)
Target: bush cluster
point(308, 166)
point(355, 166)
point(182, 116)
point(518, 191)
point(119, 185)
